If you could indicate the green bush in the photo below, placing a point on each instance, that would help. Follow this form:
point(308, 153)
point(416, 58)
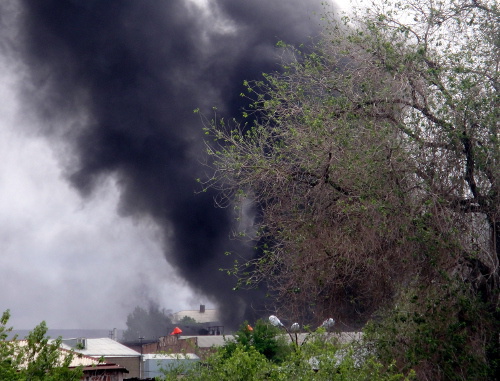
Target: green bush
point(263, 338)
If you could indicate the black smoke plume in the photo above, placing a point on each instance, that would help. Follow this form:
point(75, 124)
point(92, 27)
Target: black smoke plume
point(117, 81)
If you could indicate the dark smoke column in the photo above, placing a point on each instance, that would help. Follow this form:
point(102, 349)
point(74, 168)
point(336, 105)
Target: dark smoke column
point(122, 78)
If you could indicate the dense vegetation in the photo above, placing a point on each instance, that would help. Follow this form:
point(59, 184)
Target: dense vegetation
point(372, 164)
point(263, 353)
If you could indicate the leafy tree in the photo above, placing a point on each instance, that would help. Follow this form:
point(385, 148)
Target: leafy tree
point(9, 358)
point(36, 358)
point(187, 320)
point(373, 164)
point(148, 323)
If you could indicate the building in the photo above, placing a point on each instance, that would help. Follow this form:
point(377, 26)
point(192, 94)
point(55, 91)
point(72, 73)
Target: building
point(202, 315)
point(93, 369)
point(109, 350)
point(206, 345)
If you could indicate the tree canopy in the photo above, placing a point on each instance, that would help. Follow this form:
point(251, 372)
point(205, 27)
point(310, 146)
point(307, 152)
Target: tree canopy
point(188, 320)
point(35, 358)
point(372, 161)
point(150, 323)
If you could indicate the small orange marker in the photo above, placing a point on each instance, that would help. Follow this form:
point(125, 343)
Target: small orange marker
point(176, 331)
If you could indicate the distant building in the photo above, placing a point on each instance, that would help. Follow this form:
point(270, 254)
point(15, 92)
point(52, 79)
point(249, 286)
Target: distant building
point(206, 345)
point(202, 315)
point(204, 342)
point(200, 345)
point(170, 344)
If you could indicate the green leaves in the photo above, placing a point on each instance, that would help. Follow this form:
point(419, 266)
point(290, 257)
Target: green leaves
point(252, 356)
point(433, 325)
point(371, 161)
point(37, 358)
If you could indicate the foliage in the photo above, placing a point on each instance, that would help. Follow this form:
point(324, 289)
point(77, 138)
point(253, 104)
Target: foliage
point(148, 323)
point(9, 359)
point(320, 358)
point(36, 359)
point(373, 163)
point(187, 320)
point(263, 338)
point(435, 325)
point(243, 364)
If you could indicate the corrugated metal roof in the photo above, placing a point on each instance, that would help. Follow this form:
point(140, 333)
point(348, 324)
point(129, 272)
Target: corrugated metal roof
point(82, 360)
point(104, 347)
point(77, 360)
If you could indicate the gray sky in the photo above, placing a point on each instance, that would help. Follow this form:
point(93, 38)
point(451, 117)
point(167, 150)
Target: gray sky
point(64, 260)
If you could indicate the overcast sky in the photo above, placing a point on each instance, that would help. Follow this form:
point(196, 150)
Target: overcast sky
point(63, 259)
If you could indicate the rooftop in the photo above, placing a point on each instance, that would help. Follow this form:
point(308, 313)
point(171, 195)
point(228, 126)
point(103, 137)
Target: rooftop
point(79, 359)
point(100, 347)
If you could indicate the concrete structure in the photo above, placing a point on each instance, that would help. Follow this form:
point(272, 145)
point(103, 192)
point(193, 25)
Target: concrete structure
point(205, 345)
point(170, 344)
point(209, 341)
point(199, 345)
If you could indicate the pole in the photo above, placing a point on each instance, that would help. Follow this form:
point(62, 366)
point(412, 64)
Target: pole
point(140, 360)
